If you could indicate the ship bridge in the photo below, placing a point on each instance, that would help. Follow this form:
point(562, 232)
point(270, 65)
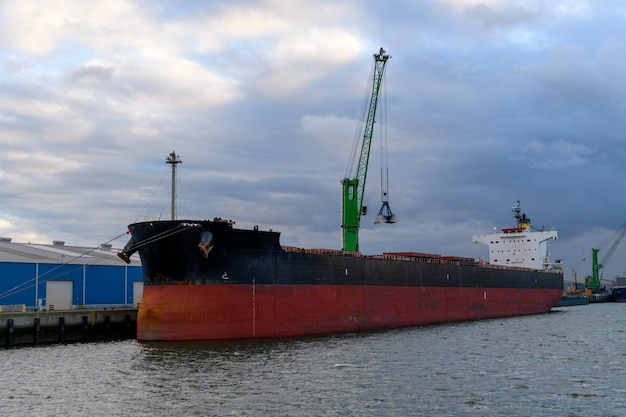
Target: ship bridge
point(518, 247)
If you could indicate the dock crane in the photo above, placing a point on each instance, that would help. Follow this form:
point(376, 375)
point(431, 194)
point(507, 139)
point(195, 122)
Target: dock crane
point(353, 188)
point(592, 282)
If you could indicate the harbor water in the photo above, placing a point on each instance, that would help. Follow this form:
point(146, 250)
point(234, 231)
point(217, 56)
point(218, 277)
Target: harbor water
point(569, 362)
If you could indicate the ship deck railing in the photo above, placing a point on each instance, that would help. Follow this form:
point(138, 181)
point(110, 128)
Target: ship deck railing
point(398, 256)
point(411, 257)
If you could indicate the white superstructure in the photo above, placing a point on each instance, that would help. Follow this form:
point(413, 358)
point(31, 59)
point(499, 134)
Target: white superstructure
point(520, 245)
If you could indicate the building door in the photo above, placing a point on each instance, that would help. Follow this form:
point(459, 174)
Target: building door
point(59, 295)
point(137, 292)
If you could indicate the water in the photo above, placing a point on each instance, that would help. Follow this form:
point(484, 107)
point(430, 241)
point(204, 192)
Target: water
point(566, 363)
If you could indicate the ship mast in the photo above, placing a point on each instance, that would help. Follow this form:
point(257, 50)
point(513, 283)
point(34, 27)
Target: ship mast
point(174, 160)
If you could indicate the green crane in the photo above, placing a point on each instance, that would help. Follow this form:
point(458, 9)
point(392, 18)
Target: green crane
point(593, 282)
point(353, 188)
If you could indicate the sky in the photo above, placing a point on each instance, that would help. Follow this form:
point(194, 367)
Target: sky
point(484, 103)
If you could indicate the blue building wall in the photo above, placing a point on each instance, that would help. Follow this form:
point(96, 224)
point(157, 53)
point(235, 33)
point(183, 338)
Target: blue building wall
point(17, 283)
point(110, 284)
point(25, 283)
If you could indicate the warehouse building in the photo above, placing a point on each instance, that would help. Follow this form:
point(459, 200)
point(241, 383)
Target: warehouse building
point(62, 277)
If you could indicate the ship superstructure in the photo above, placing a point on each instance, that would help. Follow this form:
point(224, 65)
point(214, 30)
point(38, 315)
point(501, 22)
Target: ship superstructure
point(521, 245)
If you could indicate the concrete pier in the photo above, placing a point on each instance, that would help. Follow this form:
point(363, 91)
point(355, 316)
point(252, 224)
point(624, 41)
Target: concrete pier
point(62, 326)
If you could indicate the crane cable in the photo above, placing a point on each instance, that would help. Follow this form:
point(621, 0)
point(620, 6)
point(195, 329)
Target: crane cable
point(163, 235)
point(358, 134)
point(38, 281)
point(384, 145)
point(612, 237)
point(20, 287)
point(151, 196)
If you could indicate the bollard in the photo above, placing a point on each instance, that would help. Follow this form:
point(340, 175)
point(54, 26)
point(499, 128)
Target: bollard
point(9, 332)
point(37, 329)
point(128, 326)
point(62, 329)
point(107, 327)
point(85, 328)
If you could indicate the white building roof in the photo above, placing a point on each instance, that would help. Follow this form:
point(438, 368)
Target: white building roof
point(59, 253)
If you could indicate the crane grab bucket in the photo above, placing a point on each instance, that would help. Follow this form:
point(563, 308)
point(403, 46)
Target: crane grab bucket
point(385, 215)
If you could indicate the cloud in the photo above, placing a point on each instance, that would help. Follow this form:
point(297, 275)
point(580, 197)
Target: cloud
point(558, 154)
point(487, 102)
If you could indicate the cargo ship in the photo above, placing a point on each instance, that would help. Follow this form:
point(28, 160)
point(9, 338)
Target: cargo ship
point(208, 280)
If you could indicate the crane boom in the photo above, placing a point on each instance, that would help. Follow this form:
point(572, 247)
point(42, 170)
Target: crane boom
point(353, 188)
point(593, 282)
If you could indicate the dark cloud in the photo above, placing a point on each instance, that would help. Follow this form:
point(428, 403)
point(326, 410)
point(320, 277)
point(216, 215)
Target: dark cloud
point(486, 103)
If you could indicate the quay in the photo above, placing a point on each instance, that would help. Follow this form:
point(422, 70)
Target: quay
point(66, 326)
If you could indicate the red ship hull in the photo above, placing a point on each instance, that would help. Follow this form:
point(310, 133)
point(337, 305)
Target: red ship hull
point(207, 280)
point(204, 312)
